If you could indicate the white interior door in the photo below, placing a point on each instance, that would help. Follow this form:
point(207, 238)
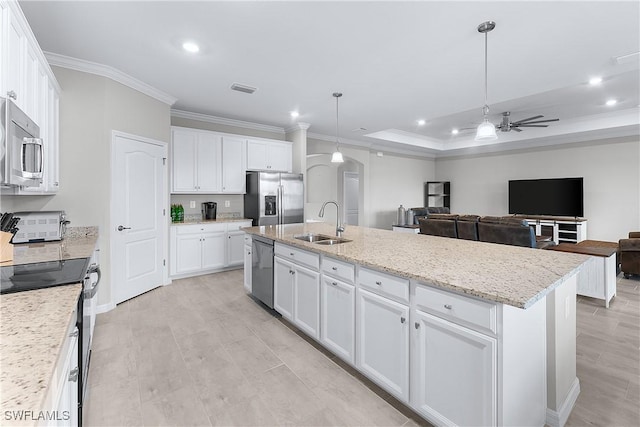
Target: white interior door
point(138, 231)
point(351, 195)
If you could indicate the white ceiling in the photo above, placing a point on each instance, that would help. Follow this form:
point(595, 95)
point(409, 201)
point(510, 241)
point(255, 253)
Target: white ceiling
point(395, 62)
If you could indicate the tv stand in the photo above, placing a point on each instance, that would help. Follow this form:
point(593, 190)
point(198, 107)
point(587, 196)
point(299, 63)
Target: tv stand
point(562, 229)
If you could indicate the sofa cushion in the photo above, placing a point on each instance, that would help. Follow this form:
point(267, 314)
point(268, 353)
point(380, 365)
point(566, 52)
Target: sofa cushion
point(507, 234)
point(450, 217)
point(629, 245)
point(438, 227)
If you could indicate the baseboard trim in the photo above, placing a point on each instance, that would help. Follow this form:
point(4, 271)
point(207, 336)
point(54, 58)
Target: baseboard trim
point(559, 418)
point(105, 307)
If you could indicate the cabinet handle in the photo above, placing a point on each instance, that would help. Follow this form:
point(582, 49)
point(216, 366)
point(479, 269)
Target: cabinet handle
point(12, 94)
point(293, 272)
point(249, 253)
point(378, 283)
point(448, 306)
point(402, 320)
point(74, 334)
point(417, 325)
point(73, 375)
point(334, 283)
point(292, 254)
point(334, 268)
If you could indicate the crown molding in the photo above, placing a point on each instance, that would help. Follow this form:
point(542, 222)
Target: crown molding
point(298, 126)
point(375, 147)
point(109, 72)
point(224, 121)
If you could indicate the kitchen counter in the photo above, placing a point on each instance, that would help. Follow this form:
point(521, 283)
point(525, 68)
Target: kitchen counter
point(211, 221)
point(33, 328)
point(506, 274)
point(80, 242)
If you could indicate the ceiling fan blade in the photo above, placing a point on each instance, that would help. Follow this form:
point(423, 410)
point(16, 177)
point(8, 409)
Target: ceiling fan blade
point(529, 126)
point(530, 118)
point(538, 121)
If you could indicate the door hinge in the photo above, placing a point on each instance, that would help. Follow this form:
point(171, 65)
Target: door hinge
point(164, 161)
point(164, 212)
point(164, 262)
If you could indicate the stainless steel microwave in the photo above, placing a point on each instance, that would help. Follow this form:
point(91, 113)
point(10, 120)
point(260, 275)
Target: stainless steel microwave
point(21, 148)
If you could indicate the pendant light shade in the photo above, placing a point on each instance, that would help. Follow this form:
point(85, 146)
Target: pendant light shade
point(337, 155)
point(486, 130)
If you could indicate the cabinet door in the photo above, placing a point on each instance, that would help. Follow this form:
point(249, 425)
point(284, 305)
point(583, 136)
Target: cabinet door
point(383, 342)
point(455, 375)
point(188, 253)
point(280, 157)
point(16, 44)
point(208, 163)
point(247, 268)
point(235, 248)
point(183, 154)
point(306, 307)
point(256, 155)
point(337, 331)
point(283, 273)
point(234, 165)
point(213, 250)
point(66, 399)
point(32, 65)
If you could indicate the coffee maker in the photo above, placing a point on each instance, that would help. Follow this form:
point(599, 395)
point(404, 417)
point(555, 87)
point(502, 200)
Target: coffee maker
point(209, 210)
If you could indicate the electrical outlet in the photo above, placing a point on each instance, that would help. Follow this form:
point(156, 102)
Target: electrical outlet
point(192, 204)
point(227, 203)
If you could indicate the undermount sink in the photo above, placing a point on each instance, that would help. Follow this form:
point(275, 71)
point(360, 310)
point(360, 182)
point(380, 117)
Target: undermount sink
point(321, 239)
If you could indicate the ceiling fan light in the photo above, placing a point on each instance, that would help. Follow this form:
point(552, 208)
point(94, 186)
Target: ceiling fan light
point(486, 131)
point(337, 157)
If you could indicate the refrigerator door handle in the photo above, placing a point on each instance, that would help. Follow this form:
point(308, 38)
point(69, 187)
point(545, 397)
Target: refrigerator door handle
point(281, 188)
point(279, 203)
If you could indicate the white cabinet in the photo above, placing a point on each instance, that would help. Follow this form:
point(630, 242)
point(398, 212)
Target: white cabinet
point(383, 342)
point(236, 242)
point(264, 155)
point(297, 288)
point(337, 331)
point(197, 248)
point(196, 157)
point(234, 164)
point(25, 76)
point(455, 371)
point(560, 230)
point(62, 395)
point(247, 263)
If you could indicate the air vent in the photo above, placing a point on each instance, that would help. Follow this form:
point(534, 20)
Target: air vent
point(243, 88)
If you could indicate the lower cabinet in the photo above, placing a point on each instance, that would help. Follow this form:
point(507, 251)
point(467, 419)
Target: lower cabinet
point(383, 342)
point(213, 250)
point(247, 268)
point(454, 372)
point(337, 331)
point(283, 272)
point(235, 248)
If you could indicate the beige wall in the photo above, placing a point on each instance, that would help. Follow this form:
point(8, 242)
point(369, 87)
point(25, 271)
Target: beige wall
point(611, 181)
point(90, 108)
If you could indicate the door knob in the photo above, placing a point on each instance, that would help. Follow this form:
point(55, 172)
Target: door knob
point(120, 228)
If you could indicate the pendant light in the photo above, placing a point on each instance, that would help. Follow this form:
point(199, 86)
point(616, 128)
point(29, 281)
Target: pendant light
point(337, 155)
point(486, 130)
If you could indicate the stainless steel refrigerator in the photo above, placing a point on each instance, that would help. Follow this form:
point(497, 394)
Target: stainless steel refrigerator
point(274, 198)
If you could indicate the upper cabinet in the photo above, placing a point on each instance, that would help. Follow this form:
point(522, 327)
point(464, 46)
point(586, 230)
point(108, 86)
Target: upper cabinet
point(216, 163)
point(272, 156)
point(26, 78)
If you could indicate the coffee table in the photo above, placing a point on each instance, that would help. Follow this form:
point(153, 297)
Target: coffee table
point(597, 279)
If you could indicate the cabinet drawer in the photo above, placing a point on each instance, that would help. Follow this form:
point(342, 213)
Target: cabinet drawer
point(339, 269)
point(298, 256)
point(235, 226)
point(467, 311)
point(200, 228)
point(393, 287)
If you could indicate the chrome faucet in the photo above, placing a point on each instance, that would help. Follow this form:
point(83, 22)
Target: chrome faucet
point(339, 228)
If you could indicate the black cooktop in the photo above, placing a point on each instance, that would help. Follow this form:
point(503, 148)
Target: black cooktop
point(28, 277)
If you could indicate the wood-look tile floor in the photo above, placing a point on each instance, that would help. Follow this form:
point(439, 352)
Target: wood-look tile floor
point(201, 352)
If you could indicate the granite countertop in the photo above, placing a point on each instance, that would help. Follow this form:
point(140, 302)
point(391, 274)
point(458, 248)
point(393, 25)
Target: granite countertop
point(79, 242)
point(33, 328)
point(506, 274)
point(210, 221)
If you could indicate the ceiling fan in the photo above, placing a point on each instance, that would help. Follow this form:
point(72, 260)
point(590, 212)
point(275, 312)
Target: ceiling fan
point(532, 122)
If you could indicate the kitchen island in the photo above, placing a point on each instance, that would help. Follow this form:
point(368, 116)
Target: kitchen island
point(438, 322)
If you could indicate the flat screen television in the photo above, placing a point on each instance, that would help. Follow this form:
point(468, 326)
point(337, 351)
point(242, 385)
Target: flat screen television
point(556, 197)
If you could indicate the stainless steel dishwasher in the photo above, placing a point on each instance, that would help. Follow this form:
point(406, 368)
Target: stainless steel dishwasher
point(262, 269)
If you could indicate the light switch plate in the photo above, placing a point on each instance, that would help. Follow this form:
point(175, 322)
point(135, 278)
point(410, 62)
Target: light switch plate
point(192, 204)
point(227, 203)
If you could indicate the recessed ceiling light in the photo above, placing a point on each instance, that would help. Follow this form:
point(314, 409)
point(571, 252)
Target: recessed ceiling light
point(421, 122)
point(454, 131)
point(191, 47)
point(294, 114)
point(595, 80)
point(611, 102)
